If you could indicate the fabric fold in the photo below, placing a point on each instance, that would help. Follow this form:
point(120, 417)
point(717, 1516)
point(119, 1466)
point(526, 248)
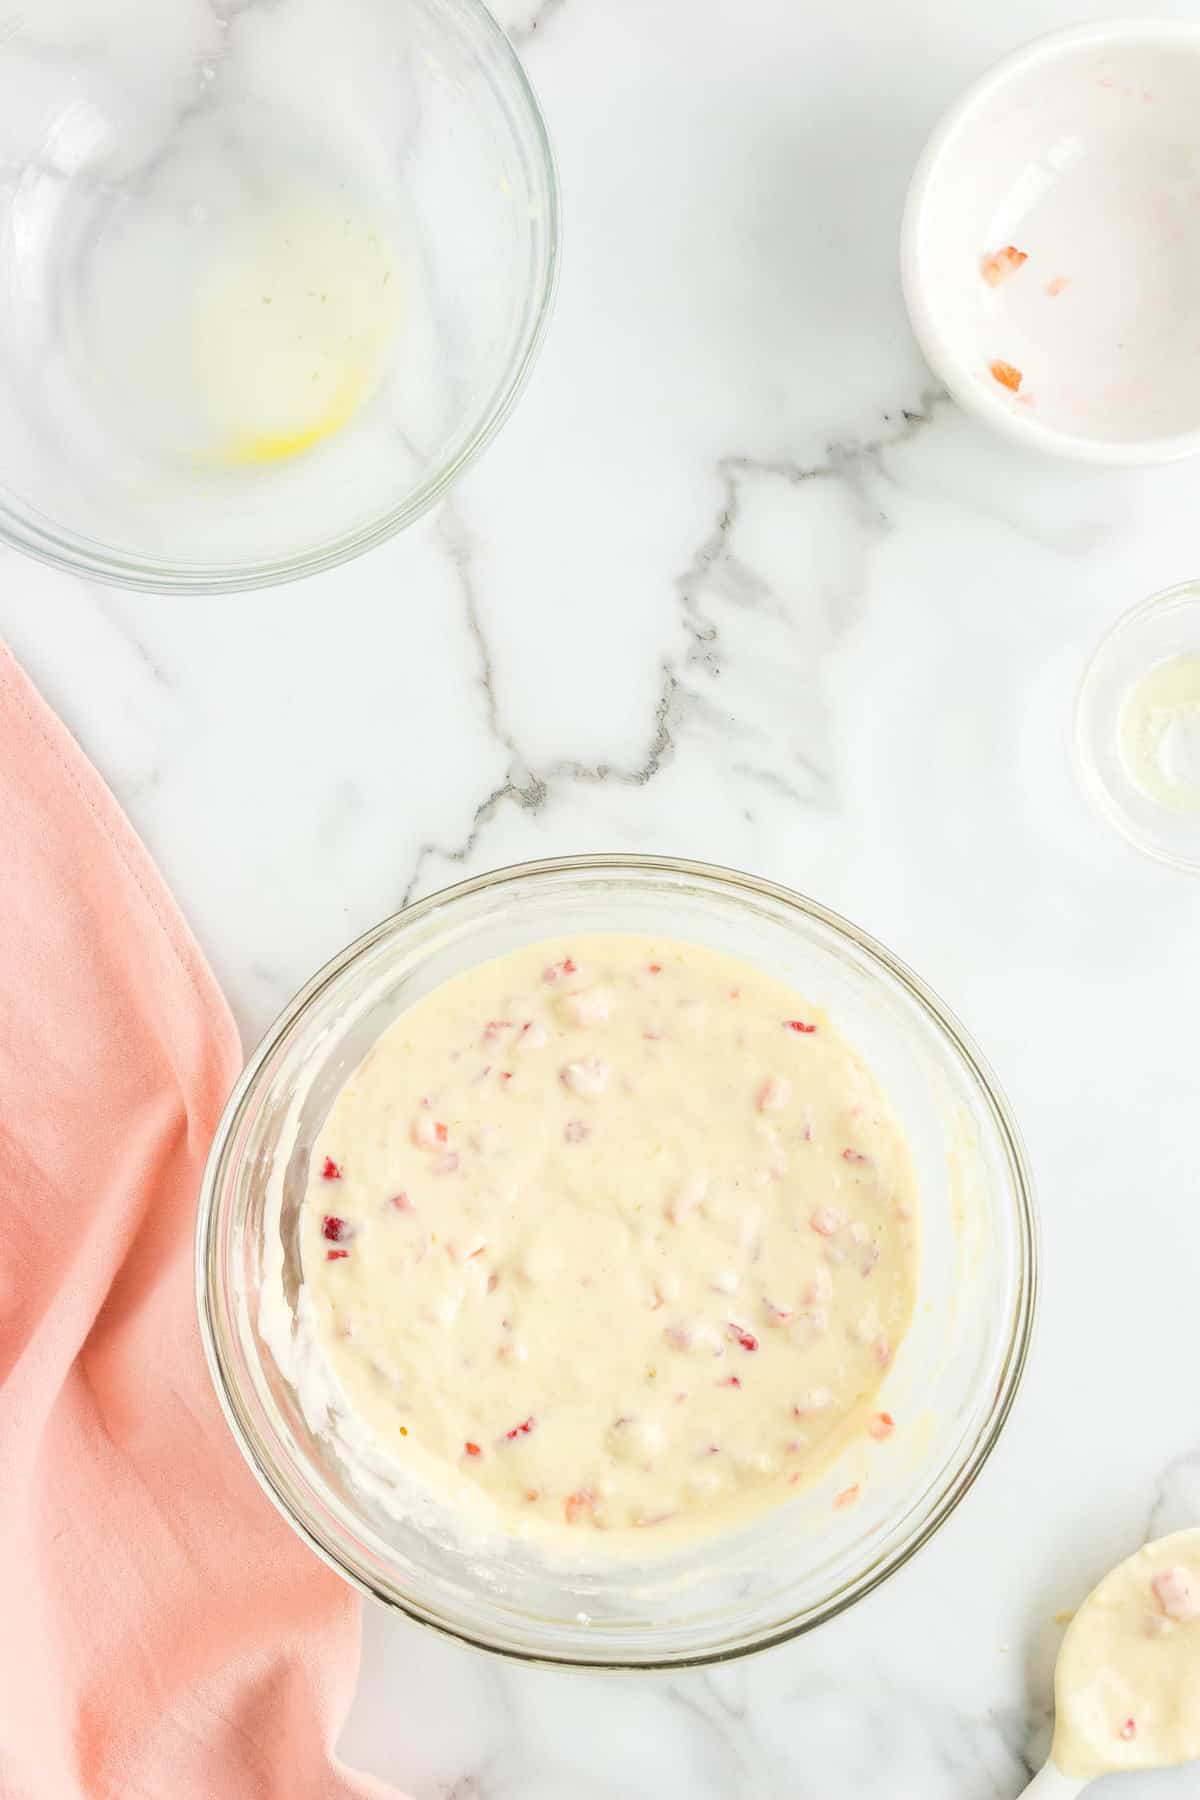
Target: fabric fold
point(166, 1637)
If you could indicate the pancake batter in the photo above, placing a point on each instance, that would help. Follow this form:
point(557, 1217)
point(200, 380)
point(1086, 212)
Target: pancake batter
point(618, 1230)
point(1127, 1686)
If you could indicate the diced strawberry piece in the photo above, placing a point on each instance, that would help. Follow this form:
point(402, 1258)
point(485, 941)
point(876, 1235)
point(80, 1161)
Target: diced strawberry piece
point(1006, 375)
point(882, 1426)
point(333, 1228)
point(335, 1255)
point(472, 1449)
point(521, 1430)
point(774, 1094)
point(588, 1077)
point(330, 1170)
point(1004, 263)
point(741, 1336)
point(825, 1221)
point(799, 1025)
point(1177, 1594)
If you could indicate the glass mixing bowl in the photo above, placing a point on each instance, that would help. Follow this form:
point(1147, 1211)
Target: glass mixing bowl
point(952, 1382)
point(269, 277)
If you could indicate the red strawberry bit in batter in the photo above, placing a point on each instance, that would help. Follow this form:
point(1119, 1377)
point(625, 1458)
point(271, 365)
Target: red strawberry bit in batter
point(655, 968)
point(825, 1221)
point(555, 971)
point(1002, 264)
point(854, 1156)
point(330, 1170)
point(774, 1094)
point(881, 1426)
point(1129, 1730)
point(847, 1497)
point(401, 1203)
point(799, 1025)
point(472, 1449)
point(733, 1381)
point(1177, 1594)
point(335, 1255)
point(741, 1336)
point(686, 1198)
point(521, 1430)
point(334, 1229)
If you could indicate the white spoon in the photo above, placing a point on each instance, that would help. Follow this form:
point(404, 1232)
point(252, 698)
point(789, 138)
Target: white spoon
point(1127, 1684)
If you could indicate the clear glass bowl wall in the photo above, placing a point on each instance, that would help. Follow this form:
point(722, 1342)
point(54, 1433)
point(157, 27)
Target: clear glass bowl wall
point(951, 1385)
point(153, 154)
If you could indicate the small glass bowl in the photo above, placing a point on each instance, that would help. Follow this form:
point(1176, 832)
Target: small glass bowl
point(209, 379)
point(952, 1383)
point(1154, 632)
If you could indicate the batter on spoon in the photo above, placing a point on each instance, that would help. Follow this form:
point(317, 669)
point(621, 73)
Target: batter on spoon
point(617, 1229)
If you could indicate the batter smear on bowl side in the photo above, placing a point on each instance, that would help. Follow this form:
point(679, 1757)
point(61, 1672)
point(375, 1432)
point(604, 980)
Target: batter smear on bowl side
point(618, 1230)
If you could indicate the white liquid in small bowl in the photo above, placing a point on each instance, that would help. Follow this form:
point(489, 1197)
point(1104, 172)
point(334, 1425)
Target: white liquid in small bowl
point(1159, 733)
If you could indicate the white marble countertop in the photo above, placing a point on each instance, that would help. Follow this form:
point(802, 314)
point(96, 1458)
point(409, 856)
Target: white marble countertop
point(737, 582)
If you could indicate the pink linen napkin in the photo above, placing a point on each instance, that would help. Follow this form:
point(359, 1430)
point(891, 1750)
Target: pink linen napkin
point(163, 1636)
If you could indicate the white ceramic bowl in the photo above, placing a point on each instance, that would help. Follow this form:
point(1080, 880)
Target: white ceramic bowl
point(1081, 151)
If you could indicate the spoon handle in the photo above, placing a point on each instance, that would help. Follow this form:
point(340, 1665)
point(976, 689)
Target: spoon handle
point(1052, 1784)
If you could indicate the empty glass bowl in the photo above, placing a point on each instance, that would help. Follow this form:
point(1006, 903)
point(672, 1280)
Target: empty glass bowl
point(269, 276)
point(951, 1384)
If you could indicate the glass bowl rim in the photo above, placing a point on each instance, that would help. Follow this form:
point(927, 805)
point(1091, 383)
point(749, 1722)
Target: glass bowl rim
point(49, 542)
point(1023, 1312)
point(1182, 594)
